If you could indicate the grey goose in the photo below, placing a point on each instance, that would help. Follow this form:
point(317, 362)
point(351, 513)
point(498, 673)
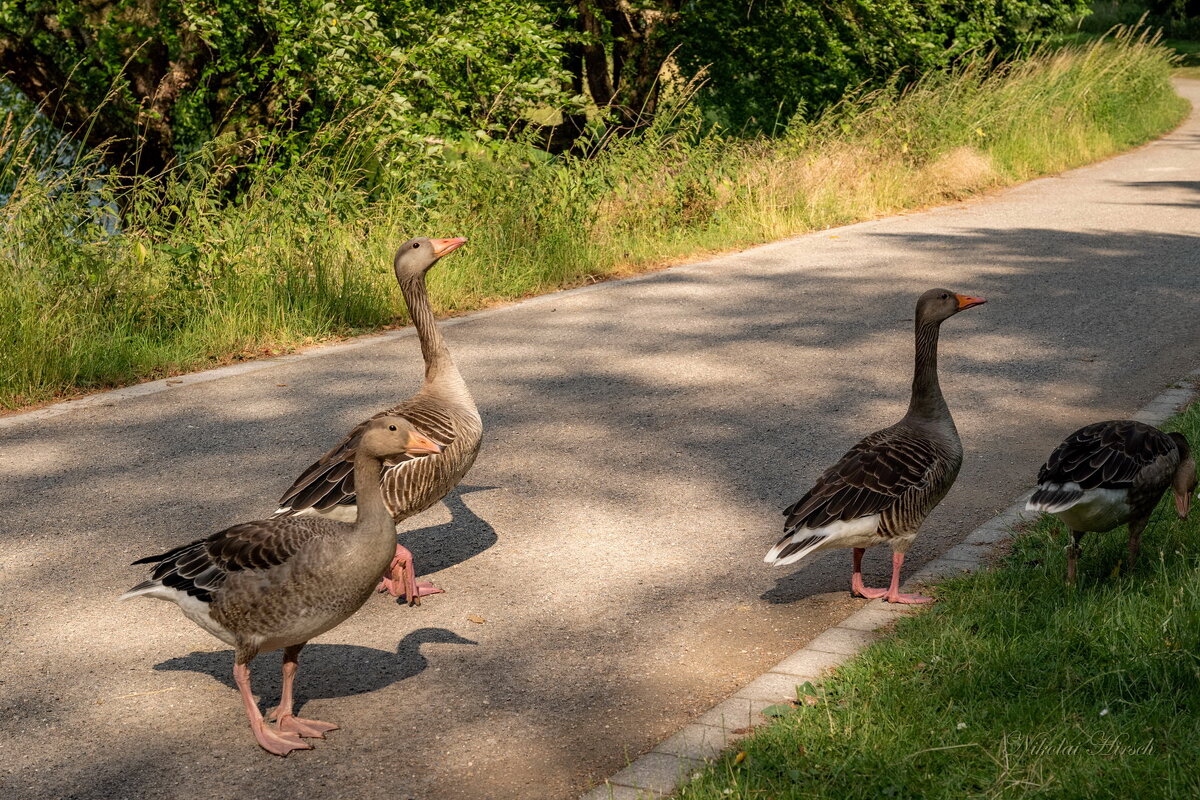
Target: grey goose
point(276, 583)
point(1110, 473)
point(442, 409)
point(885, 486)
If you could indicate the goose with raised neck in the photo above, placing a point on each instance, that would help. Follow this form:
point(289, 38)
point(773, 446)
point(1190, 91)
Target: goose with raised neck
point(886, 485)
point(1112, 473)
point(276, 583)
point(442, 409)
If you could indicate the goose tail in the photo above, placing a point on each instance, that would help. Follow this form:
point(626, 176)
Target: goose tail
point(795, 546)
point(799, 542)
point(1054, 497)
point(143, 588)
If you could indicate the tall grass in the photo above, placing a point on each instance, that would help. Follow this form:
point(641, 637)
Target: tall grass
point(188, 280)
point(1014, 685)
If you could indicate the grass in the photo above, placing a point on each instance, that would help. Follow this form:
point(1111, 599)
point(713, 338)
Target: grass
point(1189, 57)
point(188, 280)
point(1012, 685)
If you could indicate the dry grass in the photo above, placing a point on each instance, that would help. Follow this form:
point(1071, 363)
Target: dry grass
point(304, 254)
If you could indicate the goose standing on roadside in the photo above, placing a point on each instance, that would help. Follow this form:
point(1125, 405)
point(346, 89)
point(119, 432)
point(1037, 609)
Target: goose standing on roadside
point(885, 487)
point(1109, 473)
point(442, 409)
point(277, 583)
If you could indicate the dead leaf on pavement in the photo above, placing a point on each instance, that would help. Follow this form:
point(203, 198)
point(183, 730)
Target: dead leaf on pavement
point(478, 620)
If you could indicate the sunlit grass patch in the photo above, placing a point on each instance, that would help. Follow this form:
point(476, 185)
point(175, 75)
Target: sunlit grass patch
point(1013, 684)
point(304, 254)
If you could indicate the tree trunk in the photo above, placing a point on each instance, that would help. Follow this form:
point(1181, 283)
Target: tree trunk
point(624, 77)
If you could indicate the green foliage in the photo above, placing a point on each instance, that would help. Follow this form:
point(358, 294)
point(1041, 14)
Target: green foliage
point(167, 77)
point(767, 60)
point(190, 279)
point(1014, 685)
point(1179, 19)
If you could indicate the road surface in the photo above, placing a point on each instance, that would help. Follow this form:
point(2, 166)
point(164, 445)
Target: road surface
point(642, 437)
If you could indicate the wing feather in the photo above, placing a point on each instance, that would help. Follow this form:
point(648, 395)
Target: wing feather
point(1105, 455)
point(330, 480)
point(199, 568)
point(868, 479)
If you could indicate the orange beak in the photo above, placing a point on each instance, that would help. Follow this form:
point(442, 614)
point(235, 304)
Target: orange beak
point(444, 247)
point(965, 302)
point(1183, 504)
point(419, 445)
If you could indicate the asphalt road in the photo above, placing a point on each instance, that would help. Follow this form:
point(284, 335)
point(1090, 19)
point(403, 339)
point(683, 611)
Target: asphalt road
point(642, 437)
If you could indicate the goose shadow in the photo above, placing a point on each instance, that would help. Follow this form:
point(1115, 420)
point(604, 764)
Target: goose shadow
point(326, 670)
point(466, 535)
point(830, 572)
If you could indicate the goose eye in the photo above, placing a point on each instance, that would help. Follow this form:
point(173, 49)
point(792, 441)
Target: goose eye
point(391, 427)
point(945, 297)
point(416, 245)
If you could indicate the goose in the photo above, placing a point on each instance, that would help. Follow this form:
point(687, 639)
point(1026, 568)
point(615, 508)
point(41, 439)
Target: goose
point(885, 486)
point(276, 583)
point(442, 409)
point(1109, 473)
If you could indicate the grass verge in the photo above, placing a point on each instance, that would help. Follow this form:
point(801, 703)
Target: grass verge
point(304, 254)
point(1012, 685)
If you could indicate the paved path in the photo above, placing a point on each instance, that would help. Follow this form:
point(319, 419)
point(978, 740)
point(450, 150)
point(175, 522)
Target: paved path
point(642, 437)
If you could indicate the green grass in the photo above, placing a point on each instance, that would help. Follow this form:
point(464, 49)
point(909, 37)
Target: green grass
point(1012, 685)
point(304, 254)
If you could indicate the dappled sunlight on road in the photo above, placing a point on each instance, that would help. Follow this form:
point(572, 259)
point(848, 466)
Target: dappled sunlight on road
point(641, 439)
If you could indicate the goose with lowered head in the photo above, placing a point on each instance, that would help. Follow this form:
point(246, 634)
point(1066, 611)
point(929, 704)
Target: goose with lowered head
point(1111, 473)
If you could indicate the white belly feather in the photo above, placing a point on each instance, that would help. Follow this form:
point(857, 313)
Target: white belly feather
point(192, 608)
point(1097, 510)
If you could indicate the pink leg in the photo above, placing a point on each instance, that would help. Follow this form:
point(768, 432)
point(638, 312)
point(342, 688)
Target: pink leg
point(400, 580)
point(284, 720)
point(856, 582)
point(275, 742)
point(893, 593)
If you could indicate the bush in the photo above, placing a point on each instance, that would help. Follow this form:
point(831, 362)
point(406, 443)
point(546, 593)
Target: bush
point(771, 59)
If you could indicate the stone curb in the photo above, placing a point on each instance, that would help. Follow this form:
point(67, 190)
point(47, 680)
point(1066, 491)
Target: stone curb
point(668, 765)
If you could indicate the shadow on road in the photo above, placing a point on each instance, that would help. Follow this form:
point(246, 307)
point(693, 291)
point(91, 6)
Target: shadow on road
point(465, 536)
point(326, 670)
point(1187, 186)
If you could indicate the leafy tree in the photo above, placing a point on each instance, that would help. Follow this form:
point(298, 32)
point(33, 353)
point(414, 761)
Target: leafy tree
point(770, 58)
point(156, 79)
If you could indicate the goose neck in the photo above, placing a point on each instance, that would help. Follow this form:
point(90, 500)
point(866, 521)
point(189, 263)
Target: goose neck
point(439, 366)
point(927, 402)
point(373, 512)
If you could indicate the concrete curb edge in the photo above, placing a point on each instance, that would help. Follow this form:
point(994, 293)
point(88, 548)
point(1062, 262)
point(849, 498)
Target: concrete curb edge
point(671, 763)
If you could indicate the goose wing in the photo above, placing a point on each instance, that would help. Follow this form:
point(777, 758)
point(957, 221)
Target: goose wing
point(876, 474)
point(868, 479)
point(1105, 455)
point(329, 481)
point(199, 568)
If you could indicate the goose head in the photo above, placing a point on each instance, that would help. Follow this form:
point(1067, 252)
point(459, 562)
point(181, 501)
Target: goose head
point(938, 305)
point(416, 256)
point(394, 436)
point(1184, 481)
